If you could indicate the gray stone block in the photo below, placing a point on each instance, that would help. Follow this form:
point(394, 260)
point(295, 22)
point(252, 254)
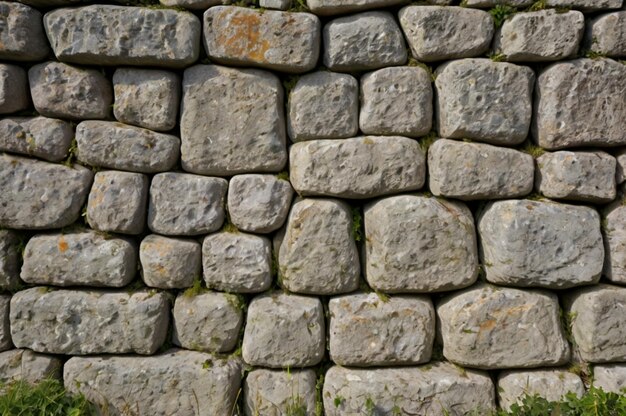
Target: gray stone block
point(170, 263)
point(14, 95)
point(10, 259)
point(541, 244)
point(610, 377)
point(22, 37)
point(606, 34)
point(277, 393)
point(484, 100)
point(331, 7)
point(614, 230)
point(275, 4)
point(42, 137)
point(5, 325)
point(620, 174)
point(28, 366)
point(192, 4)
point(492, 3)
point(586, 5)
point(243, 111)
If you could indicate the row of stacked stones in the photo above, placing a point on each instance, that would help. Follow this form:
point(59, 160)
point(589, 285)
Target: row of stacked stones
point(155, 257)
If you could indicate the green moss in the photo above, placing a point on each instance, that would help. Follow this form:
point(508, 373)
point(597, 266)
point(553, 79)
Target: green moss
point(284, 175)
point(537, 6)
point(71, 154)
point(426, 141)
point(195, 290)
point(497, 57)
point(411, 61)
point(357, 224)
point(500, 13)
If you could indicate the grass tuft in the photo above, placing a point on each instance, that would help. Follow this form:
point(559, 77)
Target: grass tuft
point(500, 13)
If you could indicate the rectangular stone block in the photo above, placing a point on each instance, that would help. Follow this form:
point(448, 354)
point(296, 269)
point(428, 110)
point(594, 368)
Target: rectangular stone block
point(492, 3)
point(614, 230)
point(42, 137)
point(606, 34)
point(586, 5)
point(14, 94)
point(29, 366)
point(169, 263)
point(277, 392)
point(331, 7)
point(10, 259)
point(610, 377)
point(22, 37)
point(550, 384)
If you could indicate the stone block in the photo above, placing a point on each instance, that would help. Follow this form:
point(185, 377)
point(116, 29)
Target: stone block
point(550, 384)
point(170, 263)
point(492, 3)
point(585, 5)
point(22, 37)
point(610, 377)
point(614, 230)
point(606, 34)
point(620, 175)
point(10, 259)
point(275, 4)
point(277, 393)
point(192, 4)
point(42, 137)
point(29, 366)
point(14, 95)
point(5, 325)
point(332, 7)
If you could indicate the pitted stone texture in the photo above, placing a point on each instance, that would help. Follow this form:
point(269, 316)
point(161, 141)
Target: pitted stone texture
point(28, 366)
point(9, 259)
point(81, 258)
point(178, 382)
point(580, 103)
point(332, 7)
point(281, 41)
point(545, 35)
point(396, 101)
point(258, 203)
point(65, 91)
point(22, 37)
point(275, 4)
point(606, 34)
point(170, 263)
point(277, 393)
point(284, 331)
point(36, 195)
point(585, 5)
point(117, 35)
point(363, 41)
point(614, 228)
point(484, 100)
point(207, 322)
point(5, 326)
point(237, 262)
point(361, 167)
point(610, 377)
point(323, 105)
point(419, 244)
point(80, 322)
point(242, 112)
point(119, 146)
point(429, 390)
point(492, 3)
point(14, 94)
point(367, 331)
point(146, 97)
point(192, 4)
point(620, 175)
point(42, 137)
point(183, 204)
point(480, 327)
point(577, 176)
point(550, 384)
point(437, 33)
point(318, 254)
point(471, 171)
point(541, 244)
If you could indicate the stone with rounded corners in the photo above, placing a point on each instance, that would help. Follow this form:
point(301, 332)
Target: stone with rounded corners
point(493, 3)
point(10, 259)
point(192, 4)
point(585, 5)
point(614, 230)
point(610, 377)
point(22, 37)
point(277, 393)
point(29, 366)
point(14, 94)
point(620, 175)
point(170, 263)
point(606, 34)
point(42, 137)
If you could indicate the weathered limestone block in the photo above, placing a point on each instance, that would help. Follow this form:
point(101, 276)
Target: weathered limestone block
point(545, 35)
point(37, 195)
point(178, 382)
point(298, 340)
point(580, 103)
point(81, 258)
point(146, 97)
point(419, 244)
point(242, 112)
point(237, 262)
point(363, 41)
point(275, 4)
point(331, 7)
point(282, 41)
point(610, 377)
point(10, 259)
point(65, 91)
point(183, 204)
point(5, 325)
point(170, 263)
point(29, 366)
point(614, 229)
point(318, 254)
point(396, 101)
point(492, 3)
point(207, 321)
point(277, 393)
point(481, 327)
point(484, 100)
point(620, 174)
point(437, 33)
point(551, 384)
point(42, 137)
point(192, 4)
point(119, 146)
point(361, 167)
point(428, 390)
point(586, 5)
point(117, 35)
point(606, 34)
point(14, 95)
point(22, 37)
point(323, 105)
point(470, 171)
point(577, 176)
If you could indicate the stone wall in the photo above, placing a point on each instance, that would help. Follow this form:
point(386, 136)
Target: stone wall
point(349, 207)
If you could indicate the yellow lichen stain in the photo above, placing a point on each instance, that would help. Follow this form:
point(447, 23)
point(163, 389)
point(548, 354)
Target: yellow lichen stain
point(245, 42)
point(488, 325)
point(63, 246)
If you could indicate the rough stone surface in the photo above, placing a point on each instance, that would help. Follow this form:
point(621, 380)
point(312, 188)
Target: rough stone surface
point(275, 4)
point(323, 105)
point(318, 254)
point(170, 263)
point(578, 176)
point(606, 34)
point(65, 91)
point(580, 103)
point(428, 390)
point(620, 175)
point(178, 382)
point(207, 322)
point(41, 137)
point(119, 146)
point(544, 35)
point(282, 41)
point(331, 7)
point(28, 366)
point(361, 167)
point(22, 37)
point(437, 33)
point(470, 171)
point(484, 100)
point(5, 326)
point(192, 4)
point(492, 3)
point(585, 5)
point(541, 244)
point(614, 228)
point(610, 377)
point(9, 259)
point(14, 95)
point(80, 258)
point(284, 331)
point(277, 393)
point(480, 327)
point(419, 244)
point(146, 98)
point(183, 204)
point(363, 41)
point(38, 195)
point(396, 101)
point(117, 35)
point(242, 109)
point(550, 384)
point(79, 322)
